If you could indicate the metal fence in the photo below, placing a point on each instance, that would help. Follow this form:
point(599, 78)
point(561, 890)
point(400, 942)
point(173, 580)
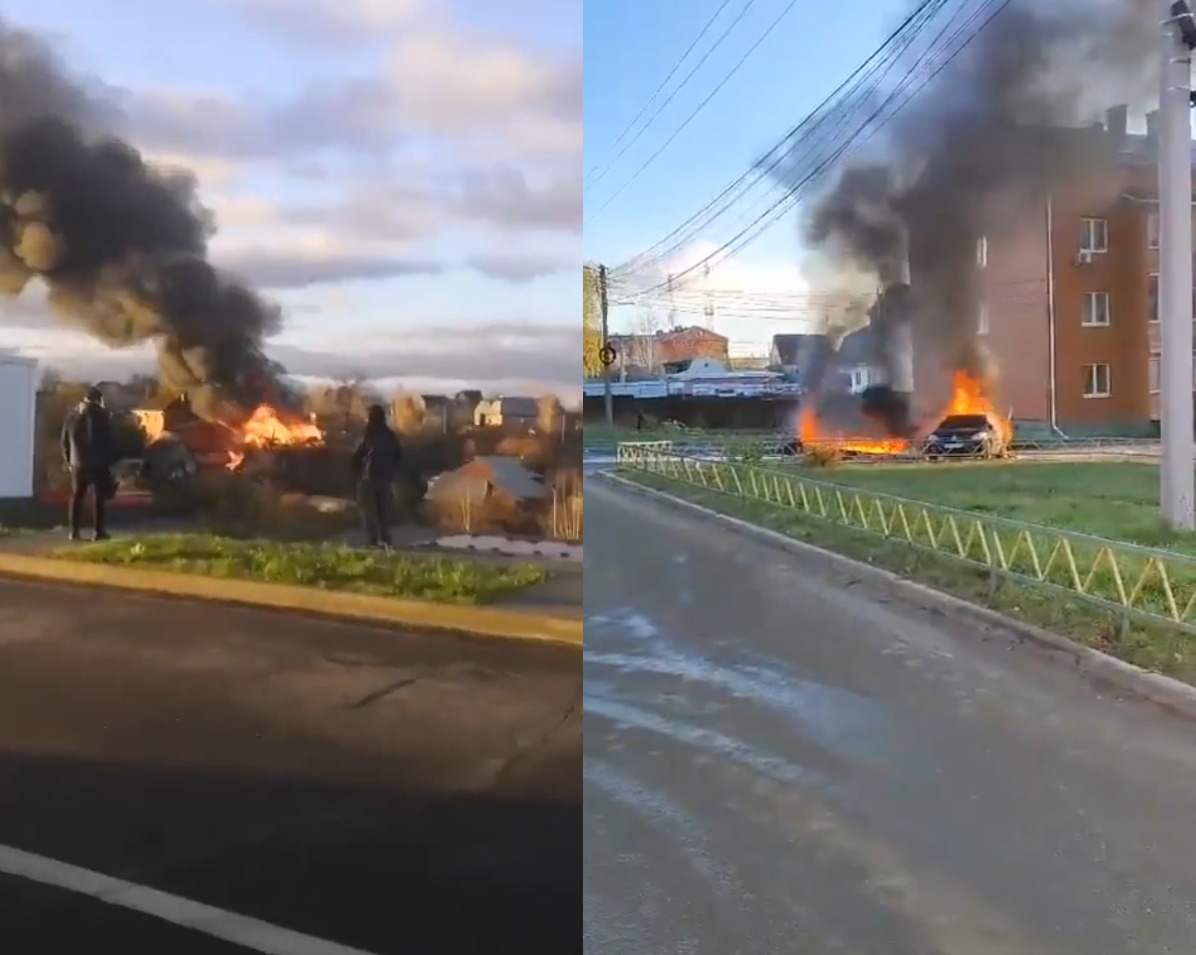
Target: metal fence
point(1150, 584)
point(746, 445)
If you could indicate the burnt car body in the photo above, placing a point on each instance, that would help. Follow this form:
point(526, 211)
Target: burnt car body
point(966, 435)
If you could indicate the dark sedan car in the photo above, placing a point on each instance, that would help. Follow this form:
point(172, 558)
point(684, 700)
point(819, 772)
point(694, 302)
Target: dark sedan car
point(966, 435)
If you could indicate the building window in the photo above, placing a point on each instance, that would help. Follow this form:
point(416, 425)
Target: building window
point(1096, 381)
point(1152, 295)
point(1096, 310)
point(1152, 230)
point(1094, 236)
point(1154, 374)
point(982, 252)
point(982, 319)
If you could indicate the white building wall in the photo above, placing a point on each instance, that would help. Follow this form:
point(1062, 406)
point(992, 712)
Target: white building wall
point(18, 396)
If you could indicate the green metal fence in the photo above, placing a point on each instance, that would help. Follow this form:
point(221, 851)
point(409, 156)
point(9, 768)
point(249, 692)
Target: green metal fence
point(1149, 584)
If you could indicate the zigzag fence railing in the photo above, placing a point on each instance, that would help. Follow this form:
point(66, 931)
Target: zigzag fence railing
point(1135, 582)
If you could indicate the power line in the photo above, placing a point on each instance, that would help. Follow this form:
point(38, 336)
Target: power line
point(968, 31)
point(901, 37)
point(660, 89)
point(698, 109)
point(673, 95)
point(902, 96)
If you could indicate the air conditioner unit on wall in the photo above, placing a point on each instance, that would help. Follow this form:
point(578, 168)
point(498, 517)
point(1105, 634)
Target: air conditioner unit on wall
point(1084, 257)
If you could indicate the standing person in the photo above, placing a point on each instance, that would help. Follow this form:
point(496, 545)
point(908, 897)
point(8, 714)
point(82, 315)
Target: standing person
point(88, 451)
point(376, 463)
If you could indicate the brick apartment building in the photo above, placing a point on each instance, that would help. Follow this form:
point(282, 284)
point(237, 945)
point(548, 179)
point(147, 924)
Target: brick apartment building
point(656, 352)
point(1068, 303)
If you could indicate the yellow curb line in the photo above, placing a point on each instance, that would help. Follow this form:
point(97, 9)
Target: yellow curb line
point(420, 614)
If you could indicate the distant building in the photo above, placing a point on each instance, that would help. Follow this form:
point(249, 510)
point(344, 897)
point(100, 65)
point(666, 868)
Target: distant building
point(664, 351)
point(436, 412)
point(507, 412)
point(1067, 302)
point(687, 344)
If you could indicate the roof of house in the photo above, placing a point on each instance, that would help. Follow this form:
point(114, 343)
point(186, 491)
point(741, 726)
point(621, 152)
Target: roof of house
point(789, 347)
point(857, 348)
point(697, 330)
point(506, 474)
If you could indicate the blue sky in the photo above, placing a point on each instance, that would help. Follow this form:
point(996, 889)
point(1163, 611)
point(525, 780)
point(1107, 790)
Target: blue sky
point(401, 175)
point(630, 46)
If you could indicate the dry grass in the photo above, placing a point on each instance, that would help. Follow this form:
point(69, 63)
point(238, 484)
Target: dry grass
point(478, 512)
point(489, 511)
point(564, 518)
point(240, 506)
point(822, 456)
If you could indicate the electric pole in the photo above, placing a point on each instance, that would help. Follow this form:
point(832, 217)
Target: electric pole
point(708, 304)
point(604, 311)
point(1177, 480)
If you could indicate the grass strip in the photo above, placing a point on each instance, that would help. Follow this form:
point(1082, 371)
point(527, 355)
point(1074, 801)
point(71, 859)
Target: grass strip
point(325, 566)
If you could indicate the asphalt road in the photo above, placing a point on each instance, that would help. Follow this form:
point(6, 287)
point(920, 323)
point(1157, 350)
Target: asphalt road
point(390, 792)
point(779, 760)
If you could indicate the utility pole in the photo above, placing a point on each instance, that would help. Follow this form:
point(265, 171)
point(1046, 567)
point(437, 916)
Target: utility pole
point(604, 311)
point(708, 304)
point(1177, 481)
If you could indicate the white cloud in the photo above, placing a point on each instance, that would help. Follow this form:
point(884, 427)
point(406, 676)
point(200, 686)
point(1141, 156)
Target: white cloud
point(506, 358)
point(413, 136)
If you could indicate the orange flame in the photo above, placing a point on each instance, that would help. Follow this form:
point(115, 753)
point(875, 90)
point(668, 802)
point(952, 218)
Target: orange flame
point(265, 428)
point(812, 435)
point(967, 397)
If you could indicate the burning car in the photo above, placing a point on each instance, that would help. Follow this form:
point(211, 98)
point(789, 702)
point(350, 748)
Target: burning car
point(180, 446)
point(967, 435)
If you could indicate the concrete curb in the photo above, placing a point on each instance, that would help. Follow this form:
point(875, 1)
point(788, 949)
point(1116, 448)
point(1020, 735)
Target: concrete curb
point(1161, 690)
point(495, 622)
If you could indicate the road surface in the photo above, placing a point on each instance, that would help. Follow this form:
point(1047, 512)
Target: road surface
point(778, 760)
point(395, 793)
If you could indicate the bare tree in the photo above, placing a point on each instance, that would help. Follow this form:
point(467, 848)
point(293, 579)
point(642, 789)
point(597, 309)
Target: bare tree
point(640, 352)
point(549, 414)
point(408, 412)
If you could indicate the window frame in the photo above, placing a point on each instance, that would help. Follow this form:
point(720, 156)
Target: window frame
point(1091, 377)
point(1095, 296)
point(1088, 228)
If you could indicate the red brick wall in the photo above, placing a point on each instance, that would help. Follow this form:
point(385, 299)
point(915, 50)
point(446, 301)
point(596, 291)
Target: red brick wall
point(690, 343)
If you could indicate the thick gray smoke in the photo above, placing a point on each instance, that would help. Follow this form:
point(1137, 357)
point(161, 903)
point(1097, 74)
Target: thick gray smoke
point(121, 246)
point(977, 154)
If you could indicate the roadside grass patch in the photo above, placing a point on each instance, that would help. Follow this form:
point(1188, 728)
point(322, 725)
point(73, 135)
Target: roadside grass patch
point(325, 566)
point(1112, 499)
point(1147, 645)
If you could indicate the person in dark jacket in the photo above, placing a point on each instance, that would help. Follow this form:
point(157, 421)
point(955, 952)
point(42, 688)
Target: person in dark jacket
point(88, 450)
point(376, 463)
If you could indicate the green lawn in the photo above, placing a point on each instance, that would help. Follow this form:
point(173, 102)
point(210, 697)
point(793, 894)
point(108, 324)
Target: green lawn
point(329, 567)
point(1109, 499)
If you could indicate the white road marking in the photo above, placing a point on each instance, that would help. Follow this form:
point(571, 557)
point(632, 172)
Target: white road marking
point(249, 933)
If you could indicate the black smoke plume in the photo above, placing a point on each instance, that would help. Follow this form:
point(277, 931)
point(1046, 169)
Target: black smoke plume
point(978, 152)
point(122, 247)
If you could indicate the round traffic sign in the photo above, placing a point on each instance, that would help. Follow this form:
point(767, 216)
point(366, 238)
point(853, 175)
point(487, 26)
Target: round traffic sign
point(607, 355)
